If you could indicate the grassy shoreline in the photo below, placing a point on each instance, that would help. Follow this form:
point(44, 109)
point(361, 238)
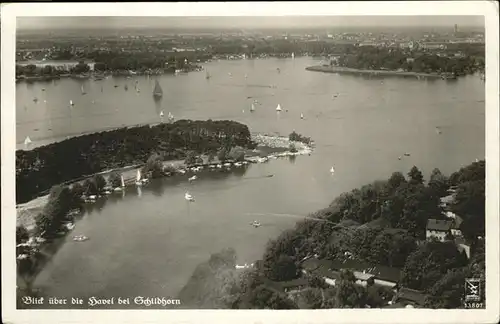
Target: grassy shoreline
point(343, 70)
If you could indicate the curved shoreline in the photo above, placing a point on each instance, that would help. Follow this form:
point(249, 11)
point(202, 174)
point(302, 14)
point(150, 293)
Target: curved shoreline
point(344, 70)
point(274, 146)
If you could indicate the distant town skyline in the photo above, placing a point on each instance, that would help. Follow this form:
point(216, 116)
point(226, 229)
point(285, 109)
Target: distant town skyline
point(254, 22)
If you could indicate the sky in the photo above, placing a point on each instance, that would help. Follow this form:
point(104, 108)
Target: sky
point(25, 23)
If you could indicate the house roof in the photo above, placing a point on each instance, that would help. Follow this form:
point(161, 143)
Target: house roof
point(311, 264)
point(362, 275)
point(411, 295)
point(447, 199)
point(281, 285)
point(331, 268)
point(439, 225)
point(395, 305)
point(385, 273)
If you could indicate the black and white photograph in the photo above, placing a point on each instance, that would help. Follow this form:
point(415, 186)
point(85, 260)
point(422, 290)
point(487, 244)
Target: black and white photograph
point(250, 160)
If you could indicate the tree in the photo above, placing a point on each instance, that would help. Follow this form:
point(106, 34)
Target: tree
point(317, 282)
point(447, 292)
point(222, 155)
point(396, 179)
point(190, 158)
point(429, 263)
point(284, 269)
point(47, 69)
point(377, 296)
point(415, 176)
point(81, 67)
point(311, 298)
point(98, 66)
point(90, 187)
point(237, 154)
point(115, 179)
point(469, 203)
point(26, 267)
point(264, 298)
point(22, 234)
point(76, 191)
point(100, 182)
point(351, 295)
point(154, 166)
point(438, 183)
point(347, 276)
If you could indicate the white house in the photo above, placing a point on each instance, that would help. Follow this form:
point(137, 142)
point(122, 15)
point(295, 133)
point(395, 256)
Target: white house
point(438, 229)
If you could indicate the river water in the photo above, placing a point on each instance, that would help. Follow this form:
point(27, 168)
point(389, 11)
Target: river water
point(148, 243)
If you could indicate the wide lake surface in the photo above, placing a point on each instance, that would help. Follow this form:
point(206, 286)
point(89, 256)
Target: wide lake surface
point(149, 242)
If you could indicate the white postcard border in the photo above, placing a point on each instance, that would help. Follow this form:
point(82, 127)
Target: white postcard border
point(489, 9)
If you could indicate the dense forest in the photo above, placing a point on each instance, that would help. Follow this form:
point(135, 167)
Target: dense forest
point(380, 223)
point(39, 169)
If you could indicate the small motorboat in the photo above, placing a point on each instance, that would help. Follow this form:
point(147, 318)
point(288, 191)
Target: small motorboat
point(255, 224)
point(188, 197)
point(192, 178)
point(80, 238)
point(407, 154)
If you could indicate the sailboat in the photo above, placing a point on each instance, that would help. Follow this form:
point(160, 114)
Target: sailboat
point(83, 90)
point(278, 108)
point(27, 141)
point(139, 180)
point(170, 117)
point(157, 92)
point(252, 108)
point(207, 76)
point(293, 55)
point(122, 185)
point(71, 103)
point(332, 170)
point(161, 114)
point(301, 116)
point(188, 197)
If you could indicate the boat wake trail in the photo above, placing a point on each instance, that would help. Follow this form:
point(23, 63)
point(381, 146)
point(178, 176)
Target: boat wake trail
point(289, 215)
point(259, 177)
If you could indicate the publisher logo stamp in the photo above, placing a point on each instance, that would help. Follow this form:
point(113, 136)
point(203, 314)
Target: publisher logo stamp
point(472, 290)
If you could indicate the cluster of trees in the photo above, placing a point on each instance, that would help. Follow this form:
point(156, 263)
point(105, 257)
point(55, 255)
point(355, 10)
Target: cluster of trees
point(213, 283)
point(142, 61)
point(49, 223)
point(375, 58)
point(39, 169)
point(50, 70)
point(296, 137)
point(469, 200)
point(277, 46)
point(381, 223)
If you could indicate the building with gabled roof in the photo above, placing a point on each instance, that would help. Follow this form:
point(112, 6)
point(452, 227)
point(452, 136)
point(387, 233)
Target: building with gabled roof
point(439, 229)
